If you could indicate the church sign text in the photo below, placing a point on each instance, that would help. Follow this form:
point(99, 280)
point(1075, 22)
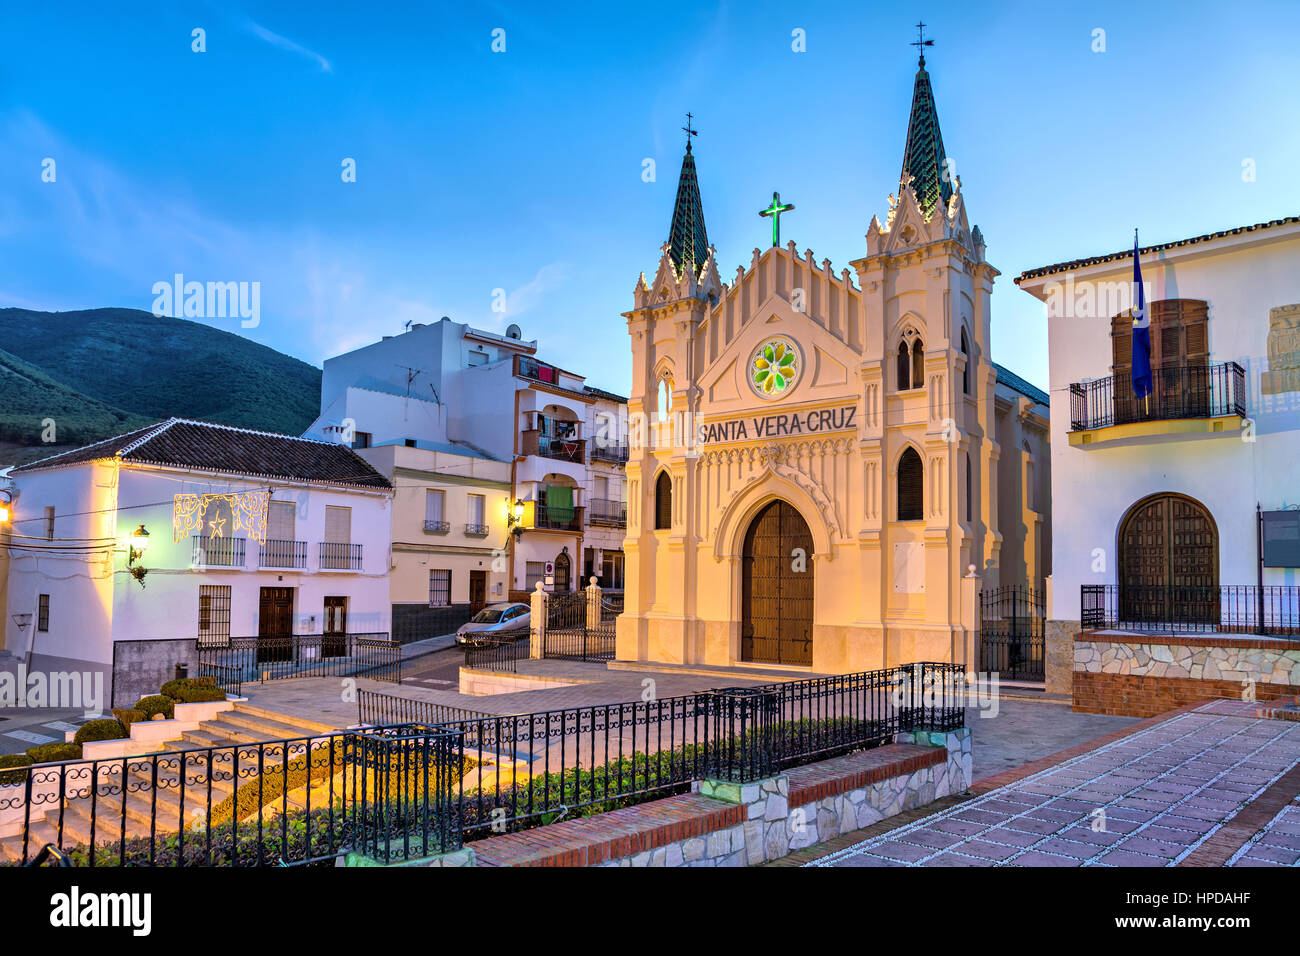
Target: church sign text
point(781, 425)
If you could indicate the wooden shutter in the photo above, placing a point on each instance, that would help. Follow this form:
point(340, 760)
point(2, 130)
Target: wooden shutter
point(918, 364)
point(280, 520)
point(338, 524)
point(904, 368)
point(911, 487)
point(663, 502)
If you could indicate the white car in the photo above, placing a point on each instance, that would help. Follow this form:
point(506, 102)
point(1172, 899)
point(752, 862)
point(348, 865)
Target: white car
point(496, 622)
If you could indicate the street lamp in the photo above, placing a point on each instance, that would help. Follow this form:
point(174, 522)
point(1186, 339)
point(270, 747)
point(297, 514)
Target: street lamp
point(515, 517)
point(139, 541)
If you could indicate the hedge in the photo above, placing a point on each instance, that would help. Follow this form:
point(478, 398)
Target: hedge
point(14, 760)
point(128, 717)
point(108, 728)
point(50, 753)
point(156, 704)
point(175, 688)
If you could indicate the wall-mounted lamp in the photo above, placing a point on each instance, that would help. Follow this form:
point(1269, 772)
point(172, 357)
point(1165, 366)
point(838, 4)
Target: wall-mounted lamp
point(6, 503)
point(515, 517)
point(139, 541)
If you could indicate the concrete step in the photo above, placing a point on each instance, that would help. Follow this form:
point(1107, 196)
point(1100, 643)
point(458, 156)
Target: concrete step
point(264, 728)
point(208, 738)
point(305, 727)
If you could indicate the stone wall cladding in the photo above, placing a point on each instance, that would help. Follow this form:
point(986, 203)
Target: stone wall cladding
point(726, 824)
point(1150, 674)
point(1058, 655)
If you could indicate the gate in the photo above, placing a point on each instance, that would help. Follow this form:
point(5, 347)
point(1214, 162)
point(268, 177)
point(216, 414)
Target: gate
point(1011, 632)
point(571, 636)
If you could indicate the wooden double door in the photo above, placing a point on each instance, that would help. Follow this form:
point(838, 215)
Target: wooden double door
point(777, 588)
point(1169, 561)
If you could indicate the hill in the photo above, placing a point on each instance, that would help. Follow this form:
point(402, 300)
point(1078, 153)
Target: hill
point(109, 370)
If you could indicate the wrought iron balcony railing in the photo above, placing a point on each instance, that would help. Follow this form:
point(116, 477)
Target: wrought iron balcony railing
point(616, 454)
point(607, 511)
point(217, 552)
point(478, 530)
point(283, 554)
point(436, 527)
point(557, 519)
point(1180, 391)
point(339, 556)
point(1166, 609)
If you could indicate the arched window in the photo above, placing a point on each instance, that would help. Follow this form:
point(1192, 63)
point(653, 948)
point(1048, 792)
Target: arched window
point(904, 368)
point(911, 494)
point(663, 502)
point(918, 364)
point(665, 397)
point(965, 372)
point(911, 362)
point(970, 502)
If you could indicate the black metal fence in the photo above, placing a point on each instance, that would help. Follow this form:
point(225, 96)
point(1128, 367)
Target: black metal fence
point(235, 661)
point(571, 634)
point(390, 792)
point(384, 709)
point(1012, 623)
point(1229, 608)
point(525, 770)
point(1187, 391)
point(496, 655)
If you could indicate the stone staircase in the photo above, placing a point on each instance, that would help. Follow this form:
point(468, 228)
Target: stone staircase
point(156, 798)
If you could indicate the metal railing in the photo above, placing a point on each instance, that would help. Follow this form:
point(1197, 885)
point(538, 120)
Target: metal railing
point(239, 660)
point(531, 767)
point(209, 551)
point(609, 452)
point(437, 527)
point(283, 554)
point(1156, 609)
point(607, 511)
point(390, 792)
point(340, 556)
point(1012, 632)
point(557, 519)
point(1183, 391)
point(496, 655)
point(562, 449)
point(478, 530)
point(383, 709)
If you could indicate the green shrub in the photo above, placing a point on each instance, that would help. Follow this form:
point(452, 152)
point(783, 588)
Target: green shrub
point(199, 695)
point(14, 760)
point(108, 728)
point(51, 753)
point(171, 688)
point(156, 704)
point(128, 717)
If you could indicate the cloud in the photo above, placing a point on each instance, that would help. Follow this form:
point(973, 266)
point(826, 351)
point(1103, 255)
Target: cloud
point(284, 43)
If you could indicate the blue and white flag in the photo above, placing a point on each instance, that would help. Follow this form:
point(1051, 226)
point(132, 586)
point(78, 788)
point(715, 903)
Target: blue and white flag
point(1141, 332)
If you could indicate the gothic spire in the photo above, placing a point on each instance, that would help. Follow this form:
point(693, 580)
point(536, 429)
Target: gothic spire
point(687, 240)
point(923, 156)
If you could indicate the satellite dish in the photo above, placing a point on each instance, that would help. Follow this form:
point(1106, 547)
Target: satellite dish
point(514, 332)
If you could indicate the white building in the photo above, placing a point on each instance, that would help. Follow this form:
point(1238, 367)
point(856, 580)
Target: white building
point(1159, 496)
point(449, 387)
point(248, 534)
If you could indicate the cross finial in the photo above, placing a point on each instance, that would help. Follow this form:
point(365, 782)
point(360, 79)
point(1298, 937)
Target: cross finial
point(689, 132)
point(921, 42)
point(775, 211)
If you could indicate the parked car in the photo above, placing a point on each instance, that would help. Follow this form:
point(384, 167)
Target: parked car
point(496, 622)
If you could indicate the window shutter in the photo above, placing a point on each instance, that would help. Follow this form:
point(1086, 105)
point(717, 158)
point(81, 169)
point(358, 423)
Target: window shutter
point(918, 364)
point(663, 502)
point(280, 520)
point(338, 524)
point(476, 509)
point(911, 477)
point(904, 368)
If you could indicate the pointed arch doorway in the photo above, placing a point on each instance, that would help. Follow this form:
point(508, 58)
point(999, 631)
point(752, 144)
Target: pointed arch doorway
point(777, 588)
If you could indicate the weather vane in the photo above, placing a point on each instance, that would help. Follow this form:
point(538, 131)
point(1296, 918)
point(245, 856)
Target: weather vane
point(689, 132)
point(775, 211)
point(921, 42)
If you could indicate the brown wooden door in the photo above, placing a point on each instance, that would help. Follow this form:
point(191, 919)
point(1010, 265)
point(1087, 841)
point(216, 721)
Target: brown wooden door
point(275, 625)
point(561, 572)
point(334, 640)
point(1169, 562)
point(477, 590)
point(777, 588)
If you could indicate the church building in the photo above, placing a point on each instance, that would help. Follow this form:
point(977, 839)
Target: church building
point(822, 462)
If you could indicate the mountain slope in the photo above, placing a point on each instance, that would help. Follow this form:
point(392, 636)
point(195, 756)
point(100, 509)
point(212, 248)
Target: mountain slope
point(28, 397)
point(155, 367)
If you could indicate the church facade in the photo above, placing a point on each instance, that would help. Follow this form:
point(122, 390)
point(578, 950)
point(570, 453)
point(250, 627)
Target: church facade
point(819, 458)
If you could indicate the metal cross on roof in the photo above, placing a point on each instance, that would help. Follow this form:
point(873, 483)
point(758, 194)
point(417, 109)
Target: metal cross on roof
point(689, 132)
point(775, 211)
point(921, 42)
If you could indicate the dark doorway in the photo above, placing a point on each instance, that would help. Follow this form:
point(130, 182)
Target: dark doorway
point(777, 588)
point(562, 571)
point(334, 638)
point(1169, 562)
point(477, 591)
point(275, 625)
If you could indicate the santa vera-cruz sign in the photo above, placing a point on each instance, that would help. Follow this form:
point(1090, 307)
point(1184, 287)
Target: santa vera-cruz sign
point(778, 425)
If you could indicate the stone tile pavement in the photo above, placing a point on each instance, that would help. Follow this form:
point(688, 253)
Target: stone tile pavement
point(1153, 797)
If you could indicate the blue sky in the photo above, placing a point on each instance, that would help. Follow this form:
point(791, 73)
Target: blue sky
point(522, 170)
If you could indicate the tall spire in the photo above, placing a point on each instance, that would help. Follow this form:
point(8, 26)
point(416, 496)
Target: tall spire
point(687, 240)
point(923, 156)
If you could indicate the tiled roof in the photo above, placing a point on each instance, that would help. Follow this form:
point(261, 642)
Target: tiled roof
point(1074, 264)
point(688, 242)
point(601, 393)
point(182, 443)
point(924, 158)
point(1015, 382)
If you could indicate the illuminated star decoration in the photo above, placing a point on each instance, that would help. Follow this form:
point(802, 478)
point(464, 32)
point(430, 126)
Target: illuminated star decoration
point(247, 509)
point(216, 525)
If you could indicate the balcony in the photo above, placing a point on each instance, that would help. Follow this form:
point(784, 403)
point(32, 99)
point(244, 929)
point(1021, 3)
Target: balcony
point(432, 526)
point(554, 519)
point(216, 552)
point(477, 530)
point(1184, 399)
point(608, 512)
point(340, 556)
point(283, 554)
point(535, 442)
point(614, 454)
point(1184, 609)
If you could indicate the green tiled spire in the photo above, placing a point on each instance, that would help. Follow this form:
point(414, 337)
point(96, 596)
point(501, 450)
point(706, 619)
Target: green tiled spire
point(923, 157)
point(687, 240)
